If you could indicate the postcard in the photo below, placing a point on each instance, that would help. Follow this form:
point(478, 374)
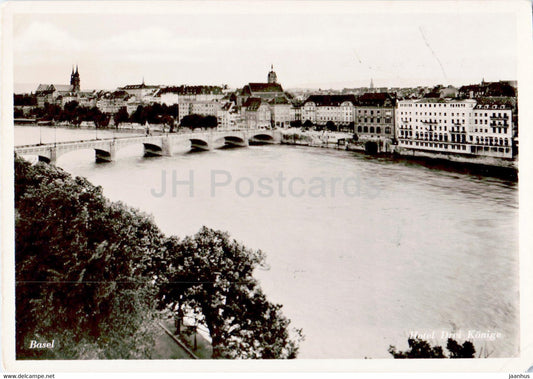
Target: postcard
point(266, 186)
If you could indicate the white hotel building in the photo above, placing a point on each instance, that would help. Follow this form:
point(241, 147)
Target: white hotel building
point(455, 126)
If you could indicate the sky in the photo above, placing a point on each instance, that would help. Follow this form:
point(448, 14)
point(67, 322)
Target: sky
point(342, 46)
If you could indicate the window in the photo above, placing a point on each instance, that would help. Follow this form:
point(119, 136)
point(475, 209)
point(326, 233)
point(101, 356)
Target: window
point(378, 130)
point(387, 130)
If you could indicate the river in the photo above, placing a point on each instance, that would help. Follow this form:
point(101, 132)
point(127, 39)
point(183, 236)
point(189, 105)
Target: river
point(362, 251)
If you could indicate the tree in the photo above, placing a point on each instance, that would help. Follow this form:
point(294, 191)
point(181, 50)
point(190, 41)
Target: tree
point(296, 123)
point(139, 115)
point(121, 116)
point(466, 350)
point(193, 121)
point(51, 112)
point(95, 115)
point(422, 349)
point(168, 120)
point(330, 125)
point(211, 276)
point(81, 276)
point(210, 122)
point(308, 124)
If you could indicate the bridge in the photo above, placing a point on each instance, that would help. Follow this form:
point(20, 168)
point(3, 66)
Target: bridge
point(162, 145)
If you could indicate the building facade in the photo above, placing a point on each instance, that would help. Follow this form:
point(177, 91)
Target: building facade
point(280, 109)
point(257, 114)
point(374, 115)
point(321, 109)
point(492, 131)
point(454, 126)
point(203, 108)
point(228, 116)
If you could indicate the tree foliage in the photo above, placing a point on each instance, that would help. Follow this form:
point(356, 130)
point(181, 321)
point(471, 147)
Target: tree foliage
point(194, 121)
point(211, 275)
point(121, 116)
point(73, 113)
point(153, 113)
point(82, 267)
point(330, 125)
point(420, 348)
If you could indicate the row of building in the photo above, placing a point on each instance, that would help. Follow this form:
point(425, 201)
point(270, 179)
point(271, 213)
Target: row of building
point(484, 125)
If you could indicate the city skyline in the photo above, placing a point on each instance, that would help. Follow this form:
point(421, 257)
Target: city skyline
point(237, 45)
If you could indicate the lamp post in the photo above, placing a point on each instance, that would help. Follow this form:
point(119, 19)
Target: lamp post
point(179, 319)
point(55, 131)
point(195, 333)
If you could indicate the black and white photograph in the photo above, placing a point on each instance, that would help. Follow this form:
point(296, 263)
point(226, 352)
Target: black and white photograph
point(311, 181)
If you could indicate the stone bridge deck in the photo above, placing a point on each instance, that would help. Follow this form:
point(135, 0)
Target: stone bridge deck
point(105, 149)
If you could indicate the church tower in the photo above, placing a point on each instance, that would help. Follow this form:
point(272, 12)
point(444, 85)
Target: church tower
point(75, 80)
point(272, 77)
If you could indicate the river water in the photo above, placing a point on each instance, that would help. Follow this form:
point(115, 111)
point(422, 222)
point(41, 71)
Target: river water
point(362, 251)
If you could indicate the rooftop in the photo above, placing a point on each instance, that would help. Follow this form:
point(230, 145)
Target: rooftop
point(252, 103)
point(265, 87)
point(330, 100)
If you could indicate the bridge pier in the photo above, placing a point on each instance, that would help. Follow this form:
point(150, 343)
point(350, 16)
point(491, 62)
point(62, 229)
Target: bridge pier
point(108, 155)
point(51, 158)
point(158, 150)
point(165, 146)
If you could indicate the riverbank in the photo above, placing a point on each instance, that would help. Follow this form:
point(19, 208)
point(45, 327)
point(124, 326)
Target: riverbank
point(121, 129)
point(477, 165)
point(325, 139)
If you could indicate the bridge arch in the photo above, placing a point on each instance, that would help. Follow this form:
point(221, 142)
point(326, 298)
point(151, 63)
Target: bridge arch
point(262, 138)
point(235, 141)
point(63, 152)
point(199, 144)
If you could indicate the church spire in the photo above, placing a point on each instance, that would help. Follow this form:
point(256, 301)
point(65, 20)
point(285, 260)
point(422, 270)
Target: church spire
point(75, 79)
